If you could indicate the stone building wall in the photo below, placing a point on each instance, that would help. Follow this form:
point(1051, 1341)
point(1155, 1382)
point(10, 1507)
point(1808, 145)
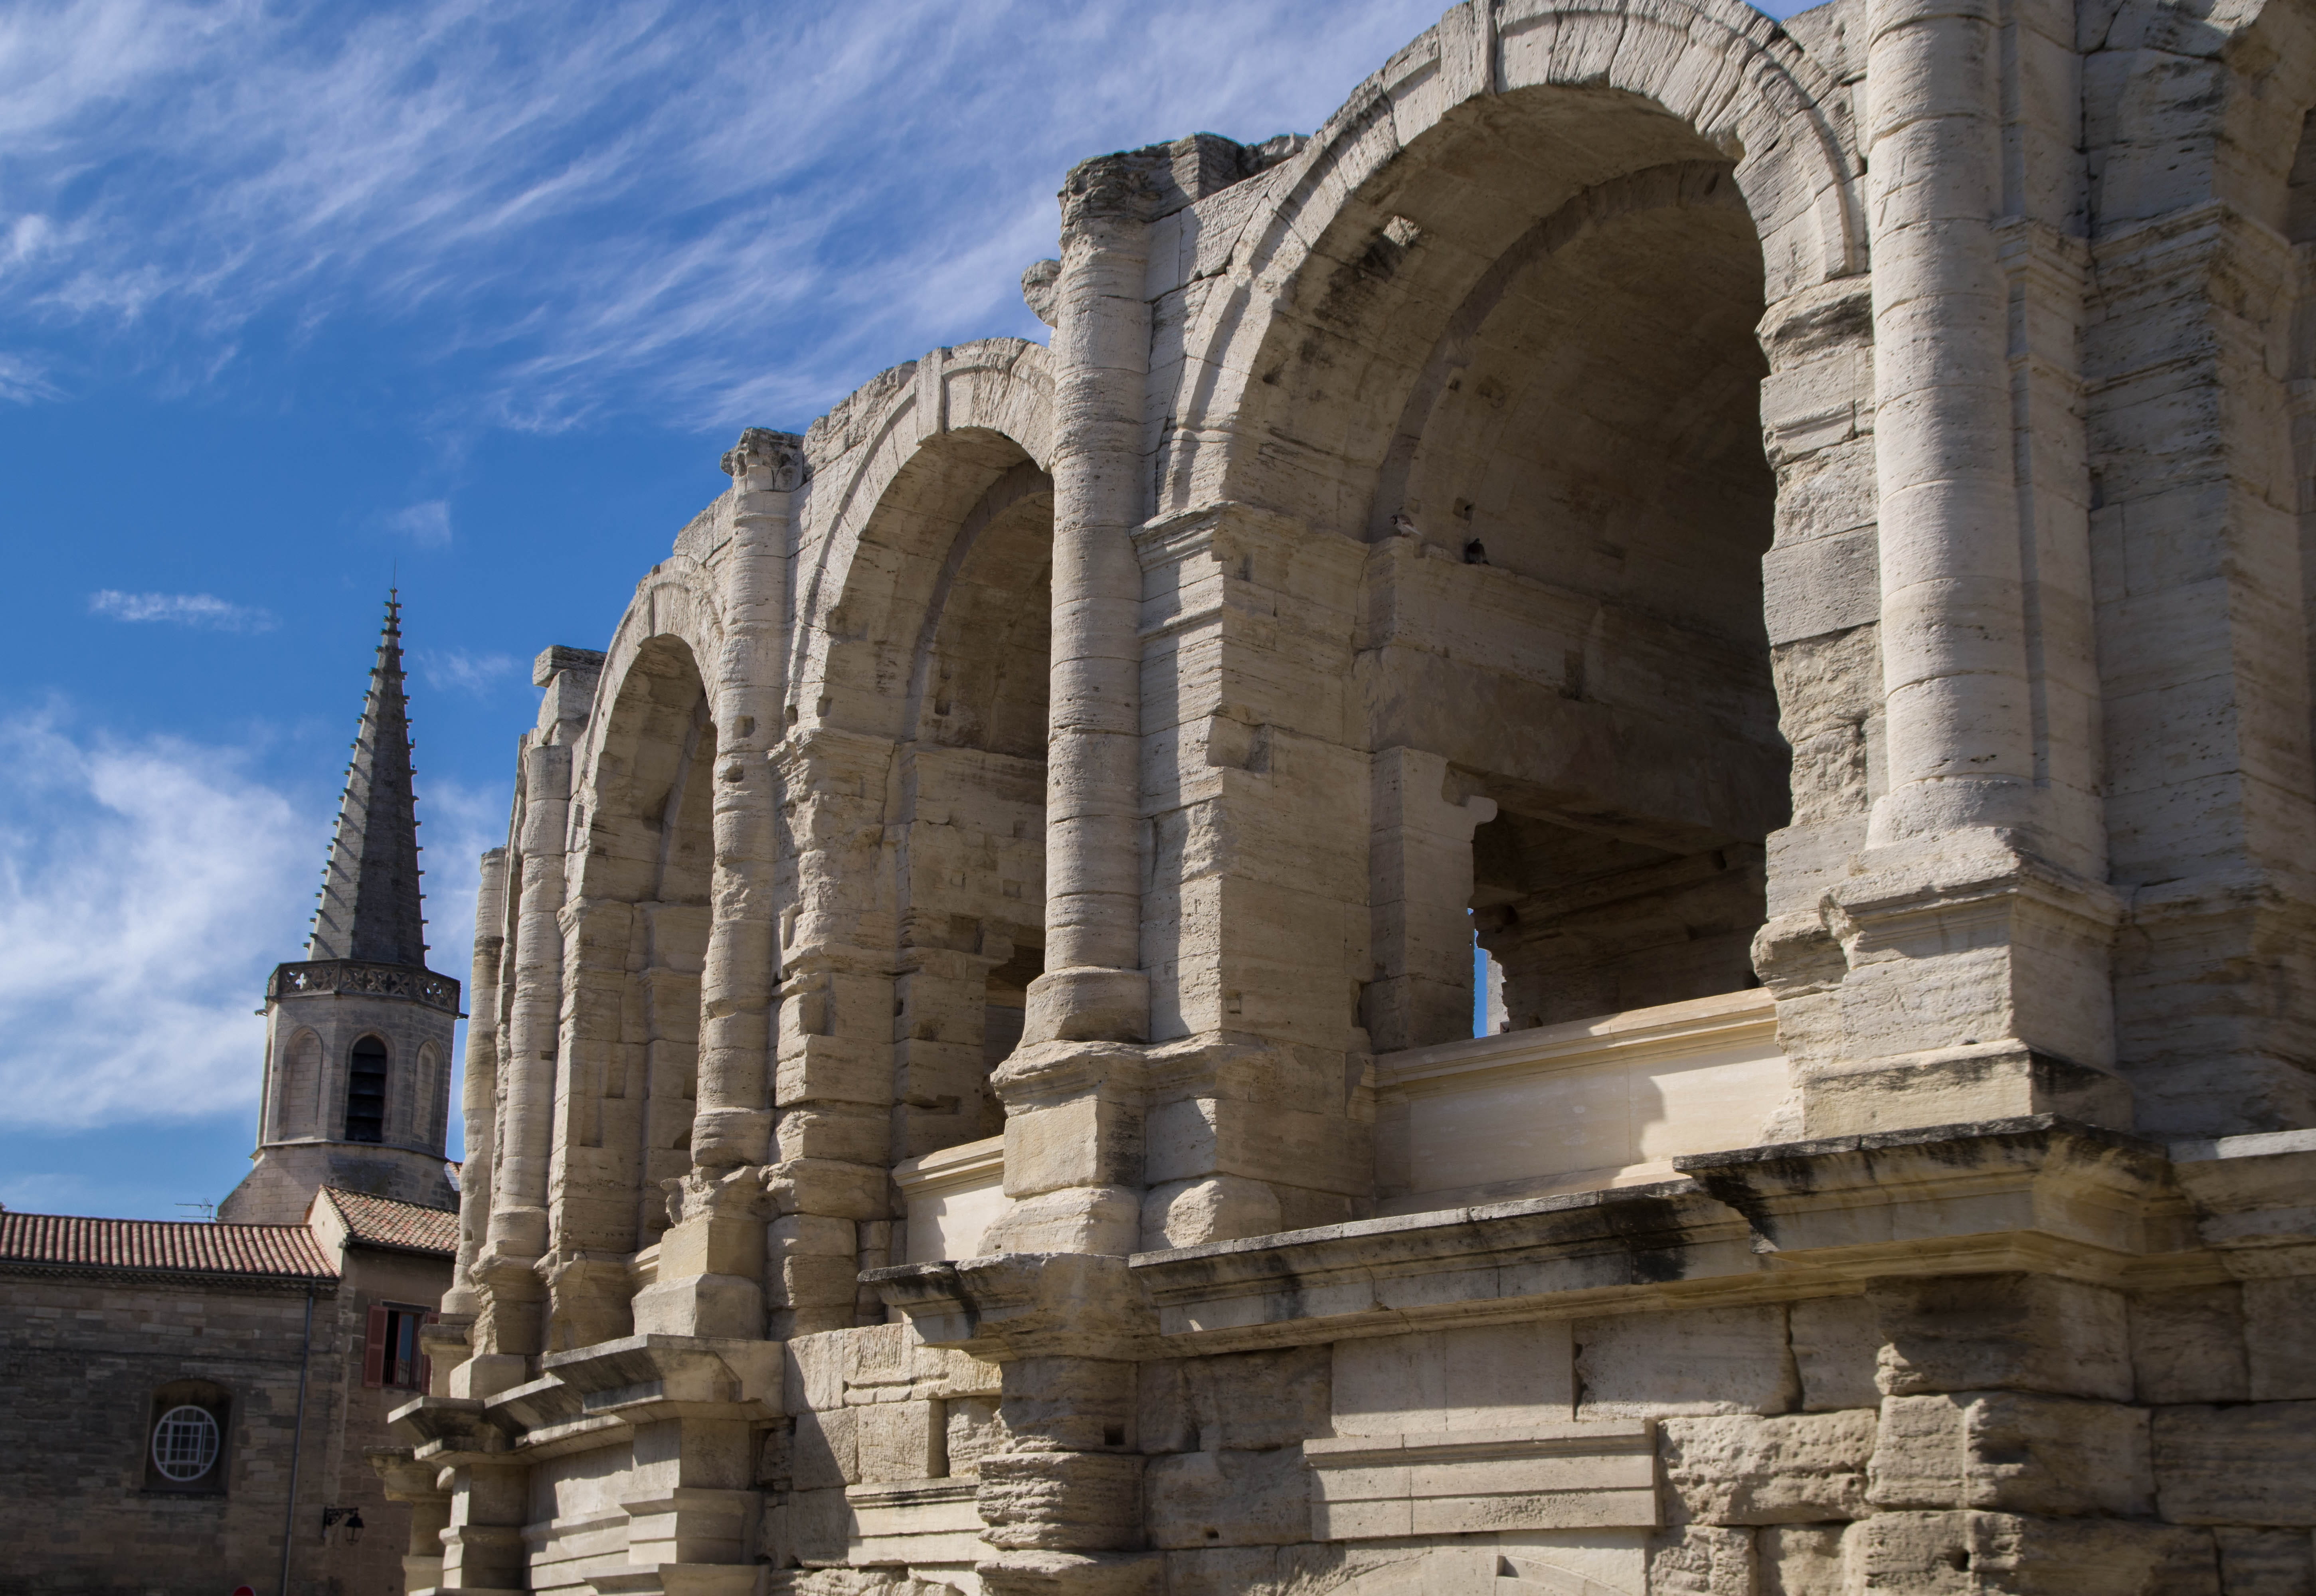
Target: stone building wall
point(83, 1358)
point(1788, 539)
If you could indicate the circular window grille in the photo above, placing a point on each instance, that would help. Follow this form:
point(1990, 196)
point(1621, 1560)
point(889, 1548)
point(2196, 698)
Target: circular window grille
point(185, 1443)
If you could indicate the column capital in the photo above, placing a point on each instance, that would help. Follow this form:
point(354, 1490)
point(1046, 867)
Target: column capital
point(766, 462)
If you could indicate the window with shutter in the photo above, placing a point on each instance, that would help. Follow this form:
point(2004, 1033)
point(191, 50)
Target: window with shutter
point(374, 1346)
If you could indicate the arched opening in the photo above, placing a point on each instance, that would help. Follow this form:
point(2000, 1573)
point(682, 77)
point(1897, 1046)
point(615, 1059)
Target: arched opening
point(973, 869)
point(631, 1025)
point(1535, 349)
point(366, 1081)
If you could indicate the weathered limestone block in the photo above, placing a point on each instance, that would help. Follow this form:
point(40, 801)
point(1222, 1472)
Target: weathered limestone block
point(1703, 1360)
point(973, 1431)
point(1487, 1377)
point(1105, 1219)
point(1698, 1560)
point(807, 1527)
point(1239, 1401)
point(1837, 1343)
point(1969, 1553)
point(901, 1441)
point(1802, 1560)
point(2187, 1345)
point(2253, 1464)
point(2007, 1332)
point(1062, 1501)
point(824, 1449)
point(1744, 1469)
point(1070, 1404)
point(2013, 1453)
point(2280, 1338)
point(1041, 1572)
point(1224, 1571)
point(2265, 1563)
point(1227, 1498)
point(1214, 1208)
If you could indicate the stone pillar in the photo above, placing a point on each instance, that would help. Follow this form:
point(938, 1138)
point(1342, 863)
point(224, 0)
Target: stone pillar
point(420, 1485)
point(1061, 1503)
point(1093, 987)
point(479, 1105)
point(833, 1085)
point(1976, 938)
point(512, 1319)
point(593, 1168)
point(712, 1260)
point(734, 1123)
point(1421, 868)
point(2007, 1440)
point(694, 1404)
point(483, 1548)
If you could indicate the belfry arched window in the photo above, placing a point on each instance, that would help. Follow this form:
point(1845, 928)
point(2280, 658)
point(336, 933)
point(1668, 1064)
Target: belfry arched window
point(366, 1091)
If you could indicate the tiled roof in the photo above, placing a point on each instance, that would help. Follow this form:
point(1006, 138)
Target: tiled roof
point(381, 1221)
point(278, 1252)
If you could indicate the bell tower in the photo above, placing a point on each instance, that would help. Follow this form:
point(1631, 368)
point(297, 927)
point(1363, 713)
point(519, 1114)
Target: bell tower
point(358, 1034)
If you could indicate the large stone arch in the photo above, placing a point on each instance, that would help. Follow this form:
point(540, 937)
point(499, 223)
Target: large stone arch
point(889, 463)
point(1743, 89)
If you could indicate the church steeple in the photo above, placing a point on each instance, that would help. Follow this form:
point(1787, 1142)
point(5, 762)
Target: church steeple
point(370, 908)
point(358, 1034)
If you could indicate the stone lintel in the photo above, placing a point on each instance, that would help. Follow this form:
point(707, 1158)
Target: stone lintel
point(645, 1377)
point(1010, 1305)
point(1759, 1225)
point(449, 1432)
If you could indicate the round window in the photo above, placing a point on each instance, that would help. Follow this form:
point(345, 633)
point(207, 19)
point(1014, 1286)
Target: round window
point(185, 1443)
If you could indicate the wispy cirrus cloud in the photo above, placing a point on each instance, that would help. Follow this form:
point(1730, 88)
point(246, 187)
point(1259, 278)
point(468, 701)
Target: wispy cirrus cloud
point(459, 671)
point(703, 212)
point(426, 524)
point(205, 610)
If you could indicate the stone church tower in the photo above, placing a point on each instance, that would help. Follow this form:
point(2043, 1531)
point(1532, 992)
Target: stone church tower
point(358, 1034)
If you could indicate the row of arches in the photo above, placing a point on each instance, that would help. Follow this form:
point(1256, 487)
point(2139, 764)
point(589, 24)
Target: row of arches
point(1506, 394)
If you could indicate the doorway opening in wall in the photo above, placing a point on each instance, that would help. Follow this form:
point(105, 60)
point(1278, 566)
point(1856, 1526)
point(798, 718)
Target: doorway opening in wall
point(366, 1091)
point(1572, 514)
point(975, 861)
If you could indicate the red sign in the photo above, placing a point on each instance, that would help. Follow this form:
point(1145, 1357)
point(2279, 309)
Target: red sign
point(243, 1591)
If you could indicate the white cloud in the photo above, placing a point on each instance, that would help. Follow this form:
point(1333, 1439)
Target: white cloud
point(457, 671)
point(22, 382)
point(711, 213)
point(146, 889)
point(427, 525)
point(182, 609)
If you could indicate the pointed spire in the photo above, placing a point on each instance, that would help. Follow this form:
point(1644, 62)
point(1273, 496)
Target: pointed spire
point(370, 906)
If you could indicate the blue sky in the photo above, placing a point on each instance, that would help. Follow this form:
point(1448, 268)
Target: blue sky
point(298, 299)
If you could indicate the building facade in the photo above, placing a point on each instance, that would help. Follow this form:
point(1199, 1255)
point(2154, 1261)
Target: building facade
point(190, 1399)
point(1788, 536)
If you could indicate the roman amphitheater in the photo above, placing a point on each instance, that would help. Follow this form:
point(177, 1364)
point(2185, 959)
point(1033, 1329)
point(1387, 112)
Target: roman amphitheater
point(1792, 536)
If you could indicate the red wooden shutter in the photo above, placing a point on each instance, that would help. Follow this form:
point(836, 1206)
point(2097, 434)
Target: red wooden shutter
point(374, 1349)
point(425, 1363)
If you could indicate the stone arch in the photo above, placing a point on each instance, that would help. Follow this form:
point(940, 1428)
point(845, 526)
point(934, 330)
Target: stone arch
point(1737, 87)
point(1552, 318)
point(371, 1075)
point(950, 423)
point(635, 944)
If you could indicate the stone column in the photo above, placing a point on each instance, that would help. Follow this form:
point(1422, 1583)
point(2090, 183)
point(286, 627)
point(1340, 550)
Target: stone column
point(1094, 987)
point(479, 1105)
point(517, 1234)
point(1976, 938)
point(835, 1065)
point(1954, 649)
point(711, 1266)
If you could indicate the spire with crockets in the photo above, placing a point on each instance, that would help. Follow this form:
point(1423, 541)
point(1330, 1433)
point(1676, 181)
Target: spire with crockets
point(370, 906)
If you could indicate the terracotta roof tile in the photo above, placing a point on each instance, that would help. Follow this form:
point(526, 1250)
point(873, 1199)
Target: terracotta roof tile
point(381, 1221)
point(280, 1251)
